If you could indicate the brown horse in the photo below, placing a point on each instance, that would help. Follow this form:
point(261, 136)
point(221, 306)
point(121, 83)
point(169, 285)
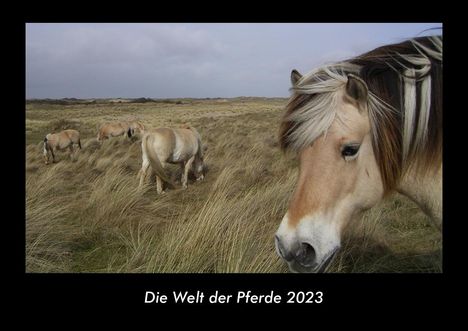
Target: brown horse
point(60, 141)
point(362, 129)
point(114, 129)
point(167, 145)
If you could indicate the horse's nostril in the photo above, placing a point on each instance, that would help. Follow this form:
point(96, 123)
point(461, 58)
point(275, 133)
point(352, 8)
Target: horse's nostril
point(306, 255)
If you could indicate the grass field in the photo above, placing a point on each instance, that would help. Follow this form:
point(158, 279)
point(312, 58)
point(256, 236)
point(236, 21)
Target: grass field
point(87, 215)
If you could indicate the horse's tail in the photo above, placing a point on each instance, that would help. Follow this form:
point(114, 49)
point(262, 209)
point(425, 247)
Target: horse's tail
point(199, 142)
point(200, 148)
point(155, 162)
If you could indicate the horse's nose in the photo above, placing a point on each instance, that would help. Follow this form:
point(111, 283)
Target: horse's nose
point(303, 253)
point(306, 256)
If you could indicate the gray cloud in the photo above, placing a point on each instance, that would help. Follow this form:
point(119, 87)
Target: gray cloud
point(188, 60)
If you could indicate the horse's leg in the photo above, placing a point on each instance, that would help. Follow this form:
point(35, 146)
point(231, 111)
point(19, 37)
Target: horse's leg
point(71, 151)
point(188, 165)
point(53, 155)
point(159, 186)
point(142, 172)
point(46, 157)
point(159, 181)
point(182, 169)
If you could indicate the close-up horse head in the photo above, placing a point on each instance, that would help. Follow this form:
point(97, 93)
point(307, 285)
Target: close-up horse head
point(361, 129)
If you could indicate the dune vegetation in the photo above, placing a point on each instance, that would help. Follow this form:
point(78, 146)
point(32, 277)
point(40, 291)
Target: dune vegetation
point(88, 215)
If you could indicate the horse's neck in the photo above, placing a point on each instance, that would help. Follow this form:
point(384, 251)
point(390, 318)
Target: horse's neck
point(426, 192)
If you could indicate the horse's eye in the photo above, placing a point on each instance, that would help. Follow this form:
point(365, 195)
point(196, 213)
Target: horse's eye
point(350, 151)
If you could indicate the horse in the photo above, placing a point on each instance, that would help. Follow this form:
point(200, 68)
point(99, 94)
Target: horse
point(60, 141)
point(172, 145)
point(114, 129)
point(136, 127)
point(361, 129)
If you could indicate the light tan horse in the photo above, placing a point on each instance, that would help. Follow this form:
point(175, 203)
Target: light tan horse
point(362, 129)
point(168, 145)
point(114, 129)
point(136, 127)
point(60, 141)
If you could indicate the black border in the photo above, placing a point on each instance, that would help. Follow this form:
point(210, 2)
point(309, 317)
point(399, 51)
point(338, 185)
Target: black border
point(368, 293)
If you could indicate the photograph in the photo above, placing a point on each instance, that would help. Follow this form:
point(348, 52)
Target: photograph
point(233, 148)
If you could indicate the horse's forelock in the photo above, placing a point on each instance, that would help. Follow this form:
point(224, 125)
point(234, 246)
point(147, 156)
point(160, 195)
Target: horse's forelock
point(312, 107)
point(287, 124)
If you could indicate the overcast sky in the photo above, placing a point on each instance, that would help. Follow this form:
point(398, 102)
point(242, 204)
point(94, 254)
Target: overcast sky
point(191, 60)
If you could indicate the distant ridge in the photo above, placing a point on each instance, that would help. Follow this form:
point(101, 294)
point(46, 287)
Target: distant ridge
point(71, 101)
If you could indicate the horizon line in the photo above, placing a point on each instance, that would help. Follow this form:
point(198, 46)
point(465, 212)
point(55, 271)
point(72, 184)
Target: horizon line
point(153, 98)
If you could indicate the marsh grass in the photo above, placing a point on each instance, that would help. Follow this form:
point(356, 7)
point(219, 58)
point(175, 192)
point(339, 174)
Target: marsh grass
point(88, 215)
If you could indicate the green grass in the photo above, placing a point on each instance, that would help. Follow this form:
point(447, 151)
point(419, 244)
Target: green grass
point(88, 215)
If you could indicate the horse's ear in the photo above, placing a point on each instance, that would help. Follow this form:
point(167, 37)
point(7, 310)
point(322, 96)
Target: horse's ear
point(357, 89)
point(295, 76)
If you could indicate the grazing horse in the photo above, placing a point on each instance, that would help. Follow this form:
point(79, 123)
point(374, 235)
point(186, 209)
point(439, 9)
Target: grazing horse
point(114, 129)
point(136, 127)
point(361, 129)
point(167, 145)
point(60, 141)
